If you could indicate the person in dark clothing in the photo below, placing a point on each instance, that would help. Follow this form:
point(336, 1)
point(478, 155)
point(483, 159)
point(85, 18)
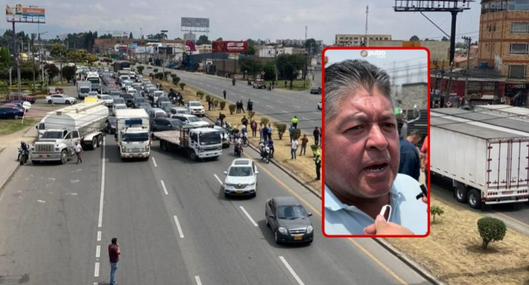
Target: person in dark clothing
point(316, 133)
point(113, 254)
point(317, 163)
point(253, 126)
point(249, 105)
point(244, 121)
point(410, 162)
point(224, 94)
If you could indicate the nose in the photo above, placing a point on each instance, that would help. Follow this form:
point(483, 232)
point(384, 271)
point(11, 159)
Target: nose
point(377, 138)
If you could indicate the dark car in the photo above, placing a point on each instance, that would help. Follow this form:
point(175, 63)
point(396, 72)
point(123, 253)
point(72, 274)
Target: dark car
point(315, 90)
point(161, 101)
point(288, 220)
point(11, 112)
point(137, 101)
point(166, 124)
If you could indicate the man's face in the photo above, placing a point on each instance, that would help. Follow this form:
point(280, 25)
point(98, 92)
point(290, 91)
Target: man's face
point(362, 146)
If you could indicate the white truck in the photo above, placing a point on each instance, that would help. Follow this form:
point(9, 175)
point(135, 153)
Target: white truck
point(61, 129)
point(83, 88)
point(95, 80)
point(486, 165)
point(132, 133)
point(198, 143)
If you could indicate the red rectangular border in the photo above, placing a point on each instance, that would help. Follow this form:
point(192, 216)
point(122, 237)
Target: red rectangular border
point(324, 62)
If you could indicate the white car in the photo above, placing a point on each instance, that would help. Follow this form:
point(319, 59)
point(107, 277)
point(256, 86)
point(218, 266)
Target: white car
point(241, 178)
point(107, 99)
point(319, 106)
point(60, 99)
point(191, 120)
point(196, 108)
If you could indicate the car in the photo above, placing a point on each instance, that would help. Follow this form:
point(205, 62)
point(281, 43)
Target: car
point(319, 106)
point(196, 108)
point(259, 84)
point(107, 99)
point(60, 99)
point(166, 106)
point(8, 112)
point(178, 110)
point(241, 178)
point(26, 105)
point(22, 97)
point(117, 106)
point(315, 90)
point(288, 220)
point(161, 99)
point(165, 124)
point(137, 101)
point(157, 113)
point(191, 120)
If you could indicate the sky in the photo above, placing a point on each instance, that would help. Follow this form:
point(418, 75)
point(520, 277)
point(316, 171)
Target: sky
point(240, 20)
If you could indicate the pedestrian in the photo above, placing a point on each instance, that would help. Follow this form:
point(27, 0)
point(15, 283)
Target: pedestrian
point(269, 132)
point(316, 133)
point(424, 160)
point(249, 105)
point(293, 149)
point(253, 126)
point(78, 149)
point(224, 94)
point(304, 142)
point(209, 105)
point(317, 162)
point(244, 121)
point(295, 122)
point(242, 106)
point(113, 254)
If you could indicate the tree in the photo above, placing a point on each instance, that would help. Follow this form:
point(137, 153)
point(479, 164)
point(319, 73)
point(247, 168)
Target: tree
point(414, 38)
point(140, 68)
point(436, 211)
point(444, 39)
point(250, 66)
point(289, 66)
point(58, 51)
point(130, 36)
point(203, 39)
point(312, 46)
point(52, 71)
point(219, 39)
point(491, 229)
point(269, 71)
point(68, 72)
point(105, 36)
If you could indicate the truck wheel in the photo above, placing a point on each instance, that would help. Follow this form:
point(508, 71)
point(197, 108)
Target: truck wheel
point(100, 140)
point(460, 193)
point(67, 102)
point(94, 143)
point(193, 155)
point(474, 199)
point(64, 156)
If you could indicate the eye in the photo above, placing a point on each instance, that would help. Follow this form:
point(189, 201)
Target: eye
point(356, 128)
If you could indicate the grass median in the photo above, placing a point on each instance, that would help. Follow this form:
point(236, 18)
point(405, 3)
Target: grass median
point(8, 127)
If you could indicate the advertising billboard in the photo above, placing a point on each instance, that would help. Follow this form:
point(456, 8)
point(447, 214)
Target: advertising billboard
point(194, 22)
point(230, 46)
point(25, 14)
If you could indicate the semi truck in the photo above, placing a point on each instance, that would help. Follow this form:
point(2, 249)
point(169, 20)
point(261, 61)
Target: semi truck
point(485, 164)
point(197, 143)
point(83, 89)
point(132, 133)
point(61, 129)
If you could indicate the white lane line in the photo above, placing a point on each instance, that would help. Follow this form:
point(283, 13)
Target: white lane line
point(178, 226)
point(98, 235)
point(248, 215)
point(96, 270)
point(291, 270)
point(164, 189)
point(102, 197)
point(154, 161)
point(218, 179)
point(98, 251)
point(197, 279)
point(268, 106)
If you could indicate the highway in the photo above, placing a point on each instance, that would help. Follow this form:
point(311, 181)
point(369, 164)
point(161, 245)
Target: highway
point(173, 224)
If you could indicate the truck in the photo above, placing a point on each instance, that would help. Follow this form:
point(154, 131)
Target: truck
point(59, 130)
point(197, 143)
point(132, 133)
point(485, 164)
point(83, 88)
point(95, 80)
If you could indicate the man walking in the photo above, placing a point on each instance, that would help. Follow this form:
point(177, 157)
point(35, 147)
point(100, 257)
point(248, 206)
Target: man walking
point(113, 254)
point(78, 149)
point(304, 141)
point(293, 149)
point(224, 94)
point(317, 162)
point(316, 133)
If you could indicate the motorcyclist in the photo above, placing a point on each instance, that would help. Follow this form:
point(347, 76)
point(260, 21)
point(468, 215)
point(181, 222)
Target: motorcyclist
point(244, 132)
point(271, 147)
point(23, 150)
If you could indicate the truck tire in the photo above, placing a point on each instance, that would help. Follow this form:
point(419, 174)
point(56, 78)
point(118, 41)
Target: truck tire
point(163, 145)
point(100, 142)
point(474, 199)
point(192, 155)
point(67, 102)
point(64, 156)
point(460, 193)
point(94, 142)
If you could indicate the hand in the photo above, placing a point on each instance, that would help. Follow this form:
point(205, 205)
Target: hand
point(381, 227)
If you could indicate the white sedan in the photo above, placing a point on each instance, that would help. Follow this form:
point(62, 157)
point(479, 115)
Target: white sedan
point(60, 99)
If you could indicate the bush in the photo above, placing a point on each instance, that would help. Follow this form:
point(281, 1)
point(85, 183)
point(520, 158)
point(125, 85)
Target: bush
point(491, 229)
point(182, 85)
point(232, 108)
point(281, 129)
point(176, 80)
point(222, 105)
point(202, 96)
point(436, 211)
point(159, 75)
point(215, 103)
point(140, 69)
point(208, 98)
point(199, 93)
point(264, 121)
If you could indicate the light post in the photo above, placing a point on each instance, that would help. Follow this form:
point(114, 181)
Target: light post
point(164, 32)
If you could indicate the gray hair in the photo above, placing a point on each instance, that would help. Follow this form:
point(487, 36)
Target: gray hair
point(343, 77)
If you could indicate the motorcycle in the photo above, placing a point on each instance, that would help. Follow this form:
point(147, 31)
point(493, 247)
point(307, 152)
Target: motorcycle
point(23, 156)
point(237, 149)
point(265, 153)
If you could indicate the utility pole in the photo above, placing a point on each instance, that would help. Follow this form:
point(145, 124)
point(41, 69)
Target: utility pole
point(468, 40)
point(367, 17)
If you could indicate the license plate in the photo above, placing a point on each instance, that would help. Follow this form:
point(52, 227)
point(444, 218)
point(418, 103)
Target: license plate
point(41, 155)
point(298, 238)
point(239, 191)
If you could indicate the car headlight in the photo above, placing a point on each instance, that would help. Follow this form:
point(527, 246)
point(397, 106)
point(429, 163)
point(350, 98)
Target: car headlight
point(309, 229)
point(282, 230)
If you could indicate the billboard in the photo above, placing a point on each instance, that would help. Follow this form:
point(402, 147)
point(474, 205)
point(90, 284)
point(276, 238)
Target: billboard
point(230, 46)
point(194, 22)
point(29, 14)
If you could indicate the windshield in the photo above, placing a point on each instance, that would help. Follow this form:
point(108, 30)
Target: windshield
point(210, 138)
point(94, 80)
point(119, 101)
point(52, 135)
point(139, 100)
point(195, 104)
point(194, 119)
point(106, 97)
point(85, 90)
point(291, 212)
point(240, 171)
point(136, 137)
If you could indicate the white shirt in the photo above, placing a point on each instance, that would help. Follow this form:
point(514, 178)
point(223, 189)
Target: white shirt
point(294, 144)
point(78, 148)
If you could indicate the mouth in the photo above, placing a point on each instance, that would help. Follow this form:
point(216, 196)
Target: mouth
point(376, 167)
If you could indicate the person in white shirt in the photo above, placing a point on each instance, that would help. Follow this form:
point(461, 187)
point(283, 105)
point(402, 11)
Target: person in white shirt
point(78, 149)
point(293, 149)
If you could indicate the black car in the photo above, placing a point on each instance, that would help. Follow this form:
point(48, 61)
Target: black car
point(288, 220)
point(137, 101)
point(11, 113)
point(165, 124)
point(315, 90)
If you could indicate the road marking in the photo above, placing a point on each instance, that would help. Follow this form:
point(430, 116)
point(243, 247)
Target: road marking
point(218, 179)
point(268, 106)
point(96, 270)
point(291, 270)
point(178, 226)
point(248, 215)
point(98, 251)
point(197, 279)
point(98, 235)
point(164, 189)
point(154, 161)
point(41, 201)
point(102, 197)
point(356, 244)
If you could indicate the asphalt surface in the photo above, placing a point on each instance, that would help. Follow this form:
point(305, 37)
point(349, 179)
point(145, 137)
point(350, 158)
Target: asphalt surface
point(49, 218)
point(279, 104)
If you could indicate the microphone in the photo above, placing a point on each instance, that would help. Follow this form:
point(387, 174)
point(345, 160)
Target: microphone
point(424, 192)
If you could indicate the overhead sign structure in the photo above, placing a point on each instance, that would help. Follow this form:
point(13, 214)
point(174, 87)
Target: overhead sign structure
point(25, 14)
point(188, 24)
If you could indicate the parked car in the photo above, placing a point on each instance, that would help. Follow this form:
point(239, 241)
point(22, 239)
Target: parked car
point(315, 90)
point(196, 108)
point(241, 178)
point(191, 120)
point(22, 97)
point(259, 84)
point(288, 220)
point(319, 106)
point(26, 105)
point(165, 124)
point(60, 99)
point(7, 112)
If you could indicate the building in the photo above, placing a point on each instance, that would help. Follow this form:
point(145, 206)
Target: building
point(504, 39)
point(272, 51)
point(347, 40)
point(204, 48)
point(296, 43)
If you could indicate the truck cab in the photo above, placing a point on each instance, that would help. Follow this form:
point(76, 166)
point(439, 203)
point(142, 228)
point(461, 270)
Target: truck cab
point(55, 145)
point(135, 143)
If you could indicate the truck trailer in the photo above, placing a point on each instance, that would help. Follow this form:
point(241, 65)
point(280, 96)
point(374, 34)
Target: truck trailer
point(198, 143)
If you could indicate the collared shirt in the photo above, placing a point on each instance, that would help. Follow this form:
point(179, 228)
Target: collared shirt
point(407, 211)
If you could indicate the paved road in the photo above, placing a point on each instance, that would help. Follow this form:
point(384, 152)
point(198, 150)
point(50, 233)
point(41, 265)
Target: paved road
point(49, 218)
point(279, 104)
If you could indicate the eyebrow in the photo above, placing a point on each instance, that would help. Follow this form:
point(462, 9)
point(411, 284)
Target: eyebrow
point(361, 115)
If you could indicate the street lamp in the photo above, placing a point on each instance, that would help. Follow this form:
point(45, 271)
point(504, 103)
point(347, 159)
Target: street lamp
point(164, 32)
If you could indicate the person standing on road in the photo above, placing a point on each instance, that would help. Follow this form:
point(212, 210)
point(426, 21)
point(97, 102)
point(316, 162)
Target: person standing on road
point(316, 133)
point(317, 162)
point(78, 149)
point(295, 122)
point(249, 105)
point(293, 149)
point(253, 126)
point(113, 254)
point(304, 141)
point(224, 94)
